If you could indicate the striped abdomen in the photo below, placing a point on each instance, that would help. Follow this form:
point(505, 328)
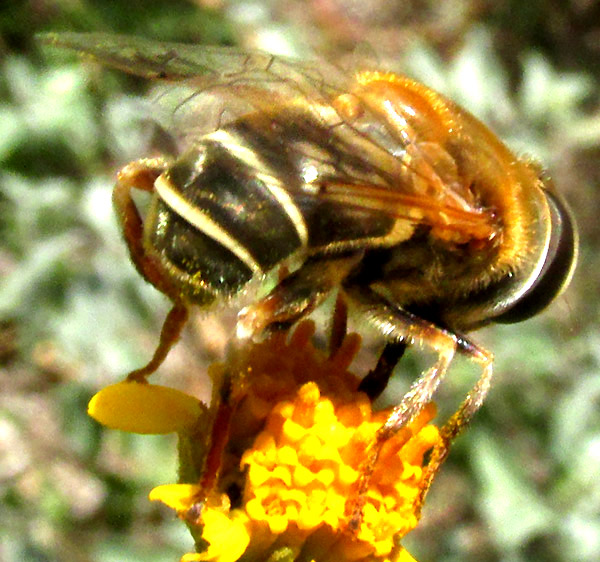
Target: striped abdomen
point(238, 204)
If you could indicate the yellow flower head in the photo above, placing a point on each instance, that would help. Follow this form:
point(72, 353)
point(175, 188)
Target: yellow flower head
point(280, 472)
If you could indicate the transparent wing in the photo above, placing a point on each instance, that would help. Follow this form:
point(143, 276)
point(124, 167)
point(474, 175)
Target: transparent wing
point(207, 86)
point(178, 61)
point(462, 225)
point(357, 165)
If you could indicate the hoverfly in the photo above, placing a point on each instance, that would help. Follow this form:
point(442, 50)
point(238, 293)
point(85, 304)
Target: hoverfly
point(367, 183)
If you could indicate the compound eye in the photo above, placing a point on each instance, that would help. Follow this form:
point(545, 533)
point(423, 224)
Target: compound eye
point(557, 269)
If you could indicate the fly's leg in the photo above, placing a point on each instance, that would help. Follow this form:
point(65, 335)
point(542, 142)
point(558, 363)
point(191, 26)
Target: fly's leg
point(376, 380)
point(141, 175)
point(462, 417)
point(296, 295)
point(406, 329)
point(339, 324)
point(169, 335)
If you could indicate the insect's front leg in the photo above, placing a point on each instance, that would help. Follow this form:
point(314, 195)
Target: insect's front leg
point(405, 328)
point(141, 175)
point(297, 294)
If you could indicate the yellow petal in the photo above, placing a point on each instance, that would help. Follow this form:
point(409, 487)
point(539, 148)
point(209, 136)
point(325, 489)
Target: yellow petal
point(177, 496)
point(404, 556)
point(227, 536)
point(144, 408)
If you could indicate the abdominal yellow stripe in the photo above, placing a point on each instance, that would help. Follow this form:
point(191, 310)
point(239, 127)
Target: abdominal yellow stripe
point(202, 222)
point(250, 157)
point(284, 199)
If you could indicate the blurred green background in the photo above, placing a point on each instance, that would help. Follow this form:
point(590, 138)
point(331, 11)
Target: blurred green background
point(522, 484)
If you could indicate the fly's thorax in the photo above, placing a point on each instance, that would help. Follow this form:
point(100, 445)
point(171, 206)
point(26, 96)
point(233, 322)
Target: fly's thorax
point(534, 235)
point(427, 272)
point(464, 164)
point(511, 291)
